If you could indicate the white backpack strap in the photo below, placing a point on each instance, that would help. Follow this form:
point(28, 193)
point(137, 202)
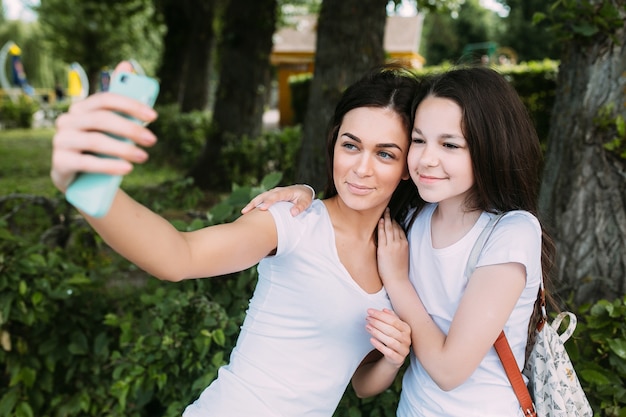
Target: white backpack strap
point(480, 242)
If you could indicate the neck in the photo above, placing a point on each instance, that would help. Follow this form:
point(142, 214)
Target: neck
point(360, 223)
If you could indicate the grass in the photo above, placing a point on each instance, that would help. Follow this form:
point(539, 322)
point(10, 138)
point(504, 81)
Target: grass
point(25, 157)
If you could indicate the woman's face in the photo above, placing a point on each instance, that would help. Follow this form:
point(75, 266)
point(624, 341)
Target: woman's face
point(439, 160)
point(370, 157)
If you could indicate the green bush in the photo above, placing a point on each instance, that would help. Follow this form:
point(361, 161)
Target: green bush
point(180, 136)
point(599, 355)
point(18, 114)
point(250, 159)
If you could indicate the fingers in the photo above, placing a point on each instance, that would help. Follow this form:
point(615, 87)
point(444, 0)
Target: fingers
point(83, 136)
point(301, 199)
point(124, 66)
point(95, 105)
point(390, 335)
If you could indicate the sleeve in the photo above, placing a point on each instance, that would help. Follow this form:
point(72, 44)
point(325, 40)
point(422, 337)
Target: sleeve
point(516, 238)
point(289, 229)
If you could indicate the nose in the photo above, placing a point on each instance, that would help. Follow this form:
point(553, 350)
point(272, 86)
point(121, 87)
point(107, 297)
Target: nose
point(428, 156)
point(363, 167)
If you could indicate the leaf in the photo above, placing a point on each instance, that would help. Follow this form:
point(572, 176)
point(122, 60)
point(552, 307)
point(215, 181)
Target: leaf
point(23, 409)
point(219, 337)
point(620, 124)
point(78, 344)
point(585, 29)
point(618, 346)
point(8, 401)
point(271, 180)
point(594, 377)
point(220, 212)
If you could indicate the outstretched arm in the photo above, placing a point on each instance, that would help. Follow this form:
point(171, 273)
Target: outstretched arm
point(301, 195)
point(131, 229)
point(392, 339)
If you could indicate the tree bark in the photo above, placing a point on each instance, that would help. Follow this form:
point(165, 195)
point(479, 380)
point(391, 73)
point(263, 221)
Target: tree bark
point(244, 70)
point(583, 193)
point(187, 45)
point(349, 42)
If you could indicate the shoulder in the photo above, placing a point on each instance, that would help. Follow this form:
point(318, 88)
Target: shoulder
point(519, 221)
point(516, 231)
point(291, 229)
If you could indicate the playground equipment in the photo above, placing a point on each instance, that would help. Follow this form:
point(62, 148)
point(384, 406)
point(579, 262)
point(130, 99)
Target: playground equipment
point(488, 53)
point(19, 83)
point(77, 82)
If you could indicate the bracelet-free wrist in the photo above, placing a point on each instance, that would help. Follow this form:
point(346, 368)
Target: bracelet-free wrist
point(312, 190)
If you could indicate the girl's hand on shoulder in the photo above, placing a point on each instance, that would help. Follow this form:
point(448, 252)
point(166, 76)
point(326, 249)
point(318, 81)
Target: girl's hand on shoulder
point(300, 195)
point(390, 335)
point(82, 137)
point(393, 250)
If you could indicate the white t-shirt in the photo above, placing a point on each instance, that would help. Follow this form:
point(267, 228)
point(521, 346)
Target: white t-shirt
point(304, 333)
point(438, 277)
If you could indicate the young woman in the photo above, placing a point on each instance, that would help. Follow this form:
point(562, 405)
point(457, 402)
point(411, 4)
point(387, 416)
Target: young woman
point(306, 331)
point(474, 153)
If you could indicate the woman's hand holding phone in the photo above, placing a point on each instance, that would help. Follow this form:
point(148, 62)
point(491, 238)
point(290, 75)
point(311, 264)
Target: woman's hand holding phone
point(94, 145)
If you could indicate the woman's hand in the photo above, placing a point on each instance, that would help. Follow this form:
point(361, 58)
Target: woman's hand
point(300, 195)
point(393, 250)
point(83, 133)
point(390, 335)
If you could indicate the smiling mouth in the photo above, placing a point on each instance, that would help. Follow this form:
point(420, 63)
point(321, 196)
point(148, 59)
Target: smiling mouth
point(358, 189)
point(429, 179)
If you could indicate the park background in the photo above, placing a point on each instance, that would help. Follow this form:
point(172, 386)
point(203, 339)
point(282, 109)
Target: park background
point(83, 332)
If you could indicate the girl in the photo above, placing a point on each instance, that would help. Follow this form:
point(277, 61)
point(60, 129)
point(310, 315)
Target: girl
point(305, 332)
point(474, 153)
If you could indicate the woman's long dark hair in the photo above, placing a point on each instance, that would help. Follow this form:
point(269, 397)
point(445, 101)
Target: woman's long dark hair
point(504, 148)
point(391, 87)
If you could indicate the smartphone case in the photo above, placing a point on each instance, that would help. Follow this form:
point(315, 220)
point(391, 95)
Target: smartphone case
point(93, 193)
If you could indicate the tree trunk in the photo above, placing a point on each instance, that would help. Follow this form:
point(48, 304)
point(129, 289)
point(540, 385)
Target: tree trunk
point(349, 42)
point(187, 45)
point(244, 71)
point(583, 194)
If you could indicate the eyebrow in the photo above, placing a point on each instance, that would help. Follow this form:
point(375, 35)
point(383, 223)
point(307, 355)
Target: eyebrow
point(444, 136)
point(378, 145)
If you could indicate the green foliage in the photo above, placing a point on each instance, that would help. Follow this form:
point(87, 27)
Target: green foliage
point(18, 114)
point(584, 20)
point(608, 120)
point(84, 333)
point(599, 354)
point(180, 136)
point(99, 34)
point(299, 85)
point(42, 67)
point(249, 159)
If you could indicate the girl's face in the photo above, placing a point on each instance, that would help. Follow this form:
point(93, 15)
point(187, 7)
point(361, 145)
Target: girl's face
point(439, 159)
point(370, 157)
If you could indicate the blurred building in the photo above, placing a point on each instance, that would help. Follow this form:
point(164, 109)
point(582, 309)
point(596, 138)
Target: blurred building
point(294, 51)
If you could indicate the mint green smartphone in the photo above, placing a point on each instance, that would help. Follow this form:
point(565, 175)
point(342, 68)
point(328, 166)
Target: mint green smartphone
point(93, 193)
